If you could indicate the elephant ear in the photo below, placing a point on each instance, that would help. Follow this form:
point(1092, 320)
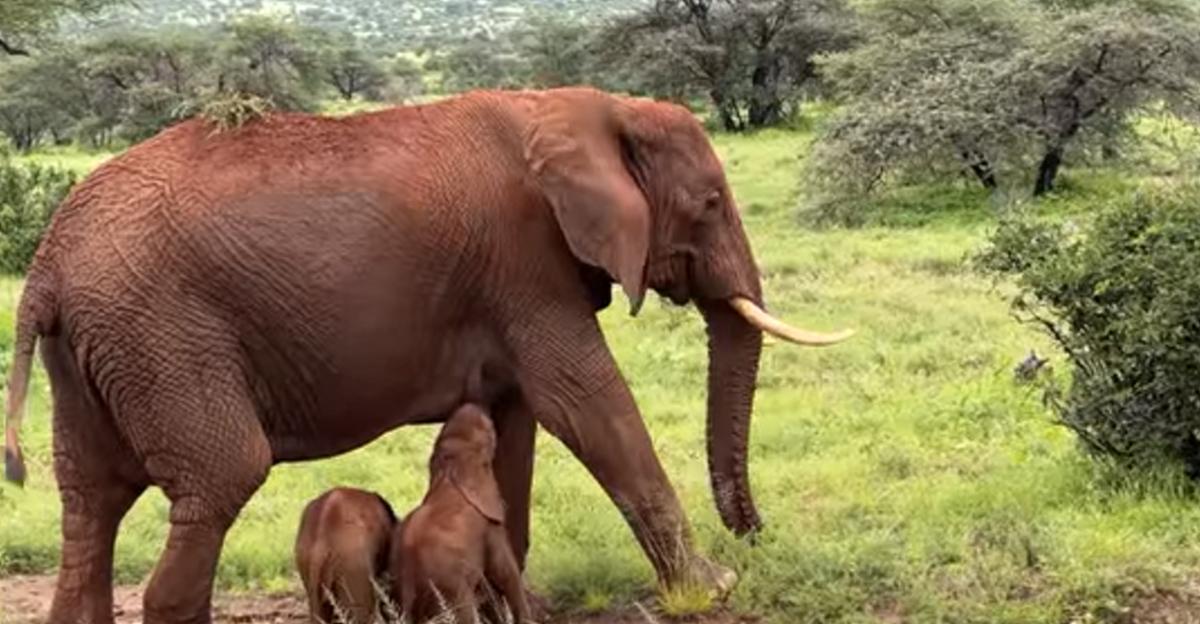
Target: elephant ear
point(578, 149)
point(482, 493)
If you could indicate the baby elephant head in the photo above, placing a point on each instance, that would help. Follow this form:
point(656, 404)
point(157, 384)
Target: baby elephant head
point(462, 457)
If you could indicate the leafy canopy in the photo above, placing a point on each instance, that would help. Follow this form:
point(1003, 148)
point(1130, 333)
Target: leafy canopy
point(998, 91)
point(750, 58)
point(24, 20)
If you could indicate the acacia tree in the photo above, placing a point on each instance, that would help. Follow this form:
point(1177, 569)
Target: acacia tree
point(1088, 71)
point(477, 63)
point(749, 57)
point(351, 71)
point(555, 49)
point(406, 79)
point(920, 94)
point(41, 96)
point(1001, 89)
point(22, 20)
point(272, 59)
point(139, 81)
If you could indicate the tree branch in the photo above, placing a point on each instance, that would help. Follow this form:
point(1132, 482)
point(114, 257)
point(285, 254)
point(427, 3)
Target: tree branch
point(11, 50)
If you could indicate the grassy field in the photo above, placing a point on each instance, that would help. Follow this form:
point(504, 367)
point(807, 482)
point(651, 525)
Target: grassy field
point(904, 475)
point(68, 158)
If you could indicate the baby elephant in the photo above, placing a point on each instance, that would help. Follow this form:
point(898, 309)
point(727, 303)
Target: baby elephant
point(456, 538)
point(341, 548)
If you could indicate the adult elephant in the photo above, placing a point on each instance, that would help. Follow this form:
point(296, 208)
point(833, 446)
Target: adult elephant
point(210, 304)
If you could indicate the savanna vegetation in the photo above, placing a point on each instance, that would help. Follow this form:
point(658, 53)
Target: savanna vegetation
point(964, 182)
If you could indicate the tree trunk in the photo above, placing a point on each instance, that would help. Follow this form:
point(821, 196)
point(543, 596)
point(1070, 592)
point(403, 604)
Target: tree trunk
point(1048, 171)
point(1190, 452)
point(726, 110)
point(766, 108)
point(982, 169)
point(764, 113)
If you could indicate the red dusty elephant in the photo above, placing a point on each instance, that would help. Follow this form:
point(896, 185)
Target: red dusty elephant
point(212, 303)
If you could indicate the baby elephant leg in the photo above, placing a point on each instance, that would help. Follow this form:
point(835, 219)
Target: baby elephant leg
point(355, 593)
point(503, 573)
point(459, 604)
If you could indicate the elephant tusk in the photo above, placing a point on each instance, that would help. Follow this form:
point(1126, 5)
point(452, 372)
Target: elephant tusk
point(759, 318)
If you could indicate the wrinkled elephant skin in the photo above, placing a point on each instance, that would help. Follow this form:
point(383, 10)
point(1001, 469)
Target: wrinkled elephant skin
point(211, 303)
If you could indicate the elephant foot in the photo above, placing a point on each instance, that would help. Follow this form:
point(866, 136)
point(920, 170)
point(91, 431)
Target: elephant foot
point(708, 576)
point(539, 606)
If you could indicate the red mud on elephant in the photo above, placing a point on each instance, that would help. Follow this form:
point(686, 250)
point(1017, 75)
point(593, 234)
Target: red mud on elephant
point(211, 304)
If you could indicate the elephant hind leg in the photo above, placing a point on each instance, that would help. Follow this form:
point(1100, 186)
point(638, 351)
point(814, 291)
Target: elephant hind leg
point(357, 601)
point(201, 442)
point(98, 481)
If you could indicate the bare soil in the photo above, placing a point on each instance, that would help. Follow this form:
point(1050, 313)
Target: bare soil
point(1180, 606)
point(26, 600)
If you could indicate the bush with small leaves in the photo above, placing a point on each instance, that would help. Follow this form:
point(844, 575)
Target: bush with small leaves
point(1120, 296)
point(29, 194)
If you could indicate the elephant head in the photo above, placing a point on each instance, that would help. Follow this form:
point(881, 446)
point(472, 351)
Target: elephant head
point(462, 457)
point(638, 192)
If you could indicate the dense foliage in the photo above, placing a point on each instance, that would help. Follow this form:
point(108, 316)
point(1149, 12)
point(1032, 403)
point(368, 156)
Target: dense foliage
point(750, 58)
point(22, 21)
point(546, 50)
point(124, 87)
point(1000, 91)
point(1120, 298)
point(390, 24)
point(29, 194)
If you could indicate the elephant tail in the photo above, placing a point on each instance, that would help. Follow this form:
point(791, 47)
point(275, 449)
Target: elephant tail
point(33, 318)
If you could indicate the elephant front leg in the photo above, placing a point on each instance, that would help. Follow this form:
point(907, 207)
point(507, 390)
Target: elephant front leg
point(516, 432)
point(585, 403)
point(516, 435)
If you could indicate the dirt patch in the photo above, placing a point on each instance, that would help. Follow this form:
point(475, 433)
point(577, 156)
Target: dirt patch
point(26, 600)
point(1167, 607)
point(639, 616)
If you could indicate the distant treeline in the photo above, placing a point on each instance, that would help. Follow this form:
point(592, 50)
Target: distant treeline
point(749, 61)
point(125, 87)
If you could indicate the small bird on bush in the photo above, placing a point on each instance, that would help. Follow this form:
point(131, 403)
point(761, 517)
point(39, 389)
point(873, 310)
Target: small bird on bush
point(1028, 368)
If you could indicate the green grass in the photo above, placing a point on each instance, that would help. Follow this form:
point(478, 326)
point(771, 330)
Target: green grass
point(68, 157)
point(903, 473)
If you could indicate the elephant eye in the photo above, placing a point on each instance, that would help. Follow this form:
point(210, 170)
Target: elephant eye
point(712, 201)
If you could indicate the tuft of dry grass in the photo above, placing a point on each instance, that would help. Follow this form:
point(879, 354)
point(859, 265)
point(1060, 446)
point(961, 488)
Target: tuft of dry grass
point(234, 109)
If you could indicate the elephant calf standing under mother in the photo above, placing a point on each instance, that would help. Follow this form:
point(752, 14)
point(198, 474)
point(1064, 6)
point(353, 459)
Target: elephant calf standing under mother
point(210, 304)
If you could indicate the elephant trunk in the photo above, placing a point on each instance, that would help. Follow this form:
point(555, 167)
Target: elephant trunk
point(734, 346)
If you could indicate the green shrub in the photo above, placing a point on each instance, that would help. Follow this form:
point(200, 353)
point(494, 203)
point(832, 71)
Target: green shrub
point(1121, 296)
point(29, 194)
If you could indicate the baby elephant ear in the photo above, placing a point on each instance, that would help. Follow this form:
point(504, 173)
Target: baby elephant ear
point(482, 493)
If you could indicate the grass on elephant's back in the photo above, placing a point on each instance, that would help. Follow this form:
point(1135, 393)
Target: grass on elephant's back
point(903, 475)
